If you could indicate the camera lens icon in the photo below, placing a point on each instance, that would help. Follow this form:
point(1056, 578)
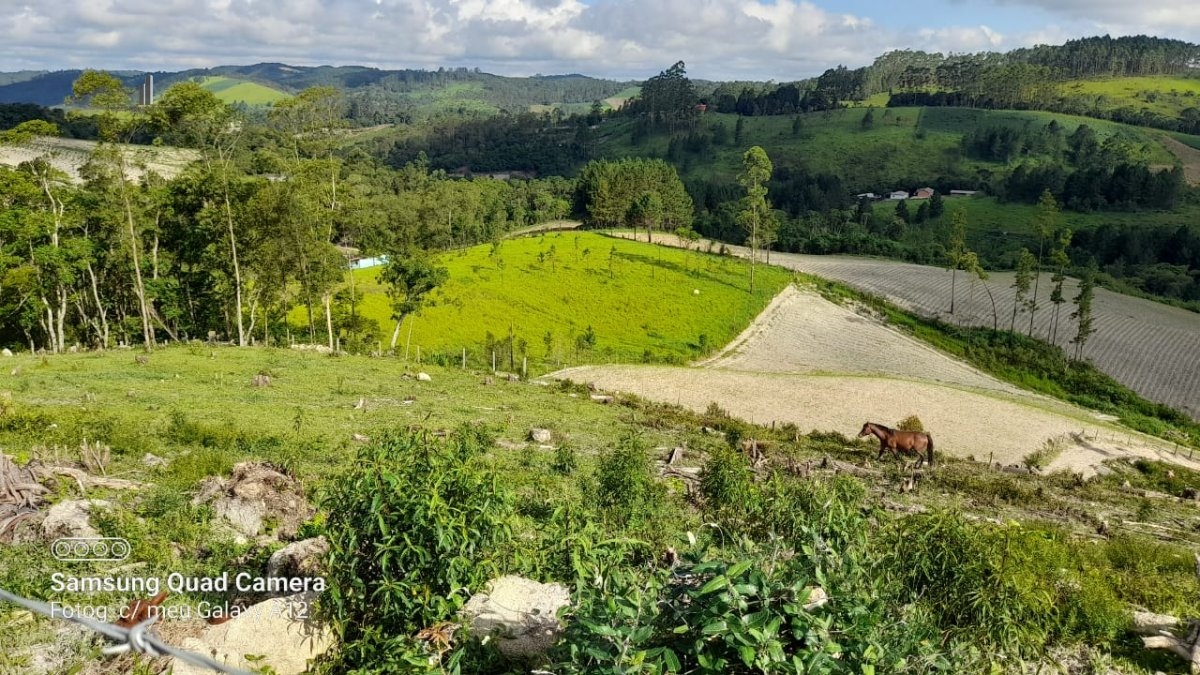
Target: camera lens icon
point(90, 549)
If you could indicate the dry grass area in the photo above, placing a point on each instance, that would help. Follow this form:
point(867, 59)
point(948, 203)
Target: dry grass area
point(825, 367)
point(69, 155)
point(1189, 156)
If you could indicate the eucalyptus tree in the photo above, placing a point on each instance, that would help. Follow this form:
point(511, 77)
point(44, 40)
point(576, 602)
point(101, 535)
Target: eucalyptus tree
point(192, 116)
point(309, 125)
point(118, 121)
point(1044, 223)
point(53, 254)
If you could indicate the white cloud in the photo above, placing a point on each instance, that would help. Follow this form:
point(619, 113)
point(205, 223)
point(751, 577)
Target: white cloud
point(1175, 18)
point(718, 39)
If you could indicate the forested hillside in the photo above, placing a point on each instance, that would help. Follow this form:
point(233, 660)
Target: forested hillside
point(268, 219)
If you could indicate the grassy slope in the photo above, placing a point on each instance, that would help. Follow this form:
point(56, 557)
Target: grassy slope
point(648, 304)
point(830, 141)
point(1163, 95)
point(309, 407)
point(904, 144)
point(232, 90)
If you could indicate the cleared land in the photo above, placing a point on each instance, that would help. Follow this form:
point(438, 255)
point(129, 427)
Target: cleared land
point(641, 301)
point(1188, 156)
point(69, 155)
point(1164, 95)
point(1146, 346)
point(825, 367)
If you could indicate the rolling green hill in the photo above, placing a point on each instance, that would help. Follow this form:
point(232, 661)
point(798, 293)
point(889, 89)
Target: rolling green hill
point(233, 90)
point(1163, 95)
point(902, 145)
point(646, 307)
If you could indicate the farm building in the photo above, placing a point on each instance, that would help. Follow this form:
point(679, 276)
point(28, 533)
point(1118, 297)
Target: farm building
point(963, 193)
point(898, 194)
point(868, 195)
point(923, 193)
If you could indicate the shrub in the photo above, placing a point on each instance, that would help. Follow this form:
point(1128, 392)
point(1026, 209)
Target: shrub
point(1043, 456)
point(564, 460)
point(411, 527)
point(1010, 588)
point(911, 423)
point(727, 485)
point(623, 487)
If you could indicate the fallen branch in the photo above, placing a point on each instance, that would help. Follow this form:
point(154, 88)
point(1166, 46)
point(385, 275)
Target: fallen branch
point(85, 480)
point(1149, 623)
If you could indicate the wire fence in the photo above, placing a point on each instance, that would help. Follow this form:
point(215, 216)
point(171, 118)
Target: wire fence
point(137, 639)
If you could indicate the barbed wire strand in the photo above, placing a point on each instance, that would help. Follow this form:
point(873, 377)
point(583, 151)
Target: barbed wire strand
point(135, 639)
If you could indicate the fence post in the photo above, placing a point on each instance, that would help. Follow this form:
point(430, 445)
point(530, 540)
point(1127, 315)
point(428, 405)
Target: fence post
point(524, 367)
point(418, 355)
point(493, 361)
point(464, 366)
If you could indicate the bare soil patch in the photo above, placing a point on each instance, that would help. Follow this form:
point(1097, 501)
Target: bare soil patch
point(1147, 346)
point(801, 332)
point(69, 155)
point(1189, 156)
point(985, 426)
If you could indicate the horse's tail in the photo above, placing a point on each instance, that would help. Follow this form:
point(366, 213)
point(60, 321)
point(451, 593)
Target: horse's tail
point(930, 437)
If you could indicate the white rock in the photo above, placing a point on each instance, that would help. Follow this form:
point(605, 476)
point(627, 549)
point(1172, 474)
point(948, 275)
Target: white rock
point(298, 559)
point(540, 435)
point(6, 353)
point(278, 630)
point(70, 518)
point(520, 615)
point(695, 291)
point(424, 377)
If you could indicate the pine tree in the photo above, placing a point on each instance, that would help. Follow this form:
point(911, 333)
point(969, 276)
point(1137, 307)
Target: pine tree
point(1083, 310)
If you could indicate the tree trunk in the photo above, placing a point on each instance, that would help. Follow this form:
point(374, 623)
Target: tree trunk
point(953, 279)
point(327, 300)
point(396, 334)
point(237, 272)
point(99, 308)
point(139, 287)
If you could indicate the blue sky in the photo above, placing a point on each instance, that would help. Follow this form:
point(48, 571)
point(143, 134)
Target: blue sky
point(718, 39)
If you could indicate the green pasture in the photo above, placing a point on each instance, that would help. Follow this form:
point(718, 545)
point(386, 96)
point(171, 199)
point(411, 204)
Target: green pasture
point(233, 90)
point(1165, 95)
point(639, 300)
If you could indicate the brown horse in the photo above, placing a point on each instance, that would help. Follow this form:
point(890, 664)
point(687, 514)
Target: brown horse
point(892, 439)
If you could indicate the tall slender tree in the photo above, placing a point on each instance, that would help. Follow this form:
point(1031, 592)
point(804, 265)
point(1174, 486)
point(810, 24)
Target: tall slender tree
point(118, 122)
point(1059, 260)
point(956, 250)
point(1022, 282)
point(1045, 223)
point(756, 171)
point(1085, 321)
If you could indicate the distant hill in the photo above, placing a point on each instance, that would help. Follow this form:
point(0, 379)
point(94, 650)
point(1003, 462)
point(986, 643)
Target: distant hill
point(375, 95)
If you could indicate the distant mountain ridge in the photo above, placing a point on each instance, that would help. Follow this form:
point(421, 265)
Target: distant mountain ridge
point(50, 88)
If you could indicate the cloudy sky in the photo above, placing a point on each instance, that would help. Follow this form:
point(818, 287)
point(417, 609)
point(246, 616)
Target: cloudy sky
point(719, 39)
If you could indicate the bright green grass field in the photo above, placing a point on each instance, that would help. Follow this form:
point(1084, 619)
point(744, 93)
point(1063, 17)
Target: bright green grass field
point(1163, 95)
point(232, 90)
point(647, 305)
